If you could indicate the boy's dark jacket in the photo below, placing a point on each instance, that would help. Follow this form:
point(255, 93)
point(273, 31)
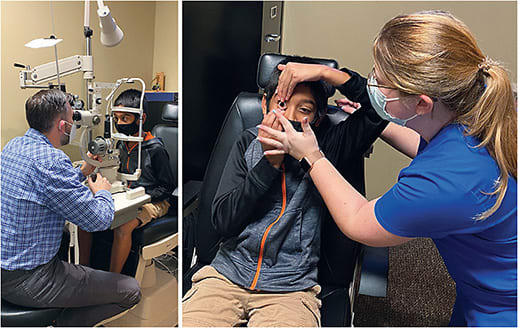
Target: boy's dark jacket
point(270, 218)
point(156, 176)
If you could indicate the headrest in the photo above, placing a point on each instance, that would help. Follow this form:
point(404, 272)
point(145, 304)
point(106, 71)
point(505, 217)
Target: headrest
point(170, 112)
point(268, 62)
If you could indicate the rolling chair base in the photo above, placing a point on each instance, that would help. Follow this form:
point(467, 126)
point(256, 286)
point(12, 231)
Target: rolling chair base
point(158, 289)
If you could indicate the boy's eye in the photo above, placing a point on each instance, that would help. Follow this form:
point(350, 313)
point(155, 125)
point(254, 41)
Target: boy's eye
point(281, 104)
point(305, 110)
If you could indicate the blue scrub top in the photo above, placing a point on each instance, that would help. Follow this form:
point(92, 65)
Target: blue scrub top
point(439, 196)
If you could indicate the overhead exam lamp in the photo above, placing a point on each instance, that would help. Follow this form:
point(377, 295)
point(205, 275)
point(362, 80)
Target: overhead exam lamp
point(111, 34)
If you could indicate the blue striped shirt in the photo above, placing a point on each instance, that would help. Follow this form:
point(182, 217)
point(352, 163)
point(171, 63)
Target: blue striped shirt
point(39, 190)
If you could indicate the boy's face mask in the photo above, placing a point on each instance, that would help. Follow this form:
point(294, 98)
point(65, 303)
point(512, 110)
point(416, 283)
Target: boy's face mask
point(298, 126)
point(128, 129)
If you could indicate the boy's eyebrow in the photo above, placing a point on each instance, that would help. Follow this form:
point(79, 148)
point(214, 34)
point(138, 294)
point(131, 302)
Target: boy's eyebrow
point(307, 101)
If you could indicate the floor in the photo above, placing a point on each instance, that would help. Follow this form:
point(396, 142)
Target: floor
point(420, 290)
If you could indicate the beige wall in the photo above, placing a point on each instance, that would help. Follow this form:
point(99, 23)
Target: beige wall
point(345, 31)
point(165, 57)
point(133, 57)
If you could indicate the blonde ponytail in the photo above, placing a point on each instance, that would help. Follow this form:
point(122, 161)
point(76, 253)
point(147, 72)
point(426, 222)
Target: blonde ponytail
point(493, 121)
point(434, 53)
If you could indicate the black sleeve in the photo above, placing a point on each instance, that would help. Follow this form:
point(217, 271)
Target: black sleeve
point(355, 135)
point(355, 88)
point(165, 185)
point(239, 189)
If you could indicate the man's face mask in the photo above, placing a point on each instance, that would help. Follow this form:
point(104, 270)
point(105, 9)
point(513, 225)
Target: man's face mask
point(69, 136)
point(128, 129)
point(379, 102)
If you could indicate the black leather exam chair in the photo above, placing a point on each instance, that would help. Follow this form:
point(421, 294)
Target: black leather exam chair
point(154, 239)
point(339, 254)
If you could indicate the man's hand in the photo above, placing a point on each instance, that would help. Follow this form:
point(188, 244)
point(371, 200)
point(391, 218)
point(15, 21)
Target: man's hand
point(348, 106)
point(86, 168)
point(100, 183)
point(272, 122)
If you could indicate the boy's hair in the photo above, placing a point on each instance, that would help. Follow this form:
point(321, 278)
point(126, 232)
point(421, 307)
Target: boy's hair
point(131, 98)
point(44, 107)
point(319, 89)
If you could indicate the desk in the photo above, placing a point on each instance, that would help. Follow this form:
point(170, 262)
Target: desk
point(126, 209)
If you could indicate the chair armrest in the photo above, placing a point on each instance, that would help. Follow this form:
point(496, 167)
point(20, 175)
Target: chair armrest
point(191, 190)
point(374, 271)
point(336, 306)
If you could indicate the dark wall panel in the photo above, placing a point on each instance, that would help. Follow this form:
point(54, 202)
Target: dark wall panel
point(221, 48)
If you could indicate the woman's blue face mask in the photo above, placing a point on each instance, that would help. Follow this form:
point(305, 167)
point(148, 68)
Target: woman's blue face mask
point(379, 102)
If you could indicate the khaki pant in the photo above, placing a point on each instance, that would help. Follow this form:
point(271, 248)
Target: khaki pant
point(151, 211)
point(214, 301)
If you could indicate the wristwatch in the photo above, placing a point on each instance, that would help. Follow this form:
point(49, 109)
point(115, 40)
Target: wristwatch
point(309, 160)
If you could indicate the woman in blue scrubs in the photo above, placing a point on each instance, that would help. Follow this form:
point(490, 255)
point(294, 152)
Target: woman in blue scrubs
point(460, 189)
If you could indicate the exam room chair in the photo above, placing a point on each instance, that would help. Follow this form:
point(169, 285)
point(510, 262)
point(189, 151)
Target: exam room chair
point(158, 305)
point(334, 277)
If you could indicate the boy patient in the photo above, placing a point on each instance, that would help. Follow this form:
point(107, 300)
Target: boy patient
point(269, 215)
point(156, 178)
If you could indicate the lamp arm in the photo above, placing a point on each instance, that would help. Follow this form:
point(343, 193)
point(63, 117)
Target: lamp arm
point(100, 3)
point(87, 14)
point(48, 72)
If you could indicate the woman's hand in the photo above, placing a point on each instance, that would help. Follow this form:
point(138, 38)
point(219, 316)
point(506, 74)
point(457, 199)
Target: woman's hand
point(294, 73)
point(297, 144)
point(272, 122)
point(348, 106)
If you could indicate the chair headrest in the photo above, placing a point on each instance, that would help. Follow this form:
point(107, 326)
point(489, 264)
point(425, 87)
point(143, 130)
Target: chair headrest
point(170, 112)
point(268, 62)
